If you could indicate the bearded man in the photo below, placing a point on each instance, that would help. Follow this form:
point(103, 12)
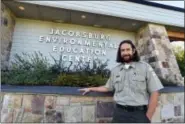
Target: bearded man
point(135, 85)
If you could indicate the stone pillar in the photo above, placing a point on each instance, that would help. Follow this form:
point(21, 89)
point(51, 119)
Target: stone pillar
point(7, 29)
point(154, 47)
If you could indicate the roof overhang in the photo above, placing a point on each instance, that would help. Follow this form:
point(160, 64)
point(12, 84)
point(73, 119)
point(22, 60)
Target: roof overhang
point(67, 12)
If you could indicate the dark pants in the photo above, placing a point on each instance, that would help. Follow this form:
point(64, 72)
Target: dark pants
point(124, 116)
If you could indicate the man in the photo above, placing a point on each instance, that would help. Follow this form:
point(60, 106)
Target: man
point(135, 87)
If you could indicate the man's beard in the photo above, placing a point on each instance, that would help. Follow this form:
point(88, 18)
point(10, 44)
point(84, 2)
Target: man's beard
point(127, 58)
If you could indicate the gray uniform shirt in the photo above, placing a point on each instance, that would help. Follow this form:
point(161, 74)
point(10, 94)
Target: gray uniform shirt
point(133, 86)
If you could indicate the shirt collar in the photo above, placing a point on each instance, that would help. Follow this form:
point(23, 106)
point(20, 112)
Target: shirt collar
point(132, 65)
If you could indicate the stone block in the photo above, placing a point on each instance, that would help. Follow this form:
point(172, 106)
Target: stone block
point(104, 109)
point(73, 114)
point(177, 110)
point(158, 71)
point(17, 99)
point(153, 64)
point(104, 99)
point(173, 62)
point(173, 120)
point(158, 64)
point(153, 59)
point(165, 72)
point(27, 101)
point(53, 116)
point(165, 64)
point(103, 120)
point(27, 117)
point(179, 99)
point(75, 104)
point(155, 52)
point(60, 101)
point(157, 28)
point(7, 101)
point(50, 102)
point(37, 104)
point(151, 47)
point(170, 98)
point(18, 114)
point(182, 110)
point(142, 58)
point(7, 115)
point(1, 97)
point(167, 111)
point(12, 101)
point(88, 114)
point(37, 118)
point(81, 99)
point(59, 108)
point(163, 99)
point(156, 35)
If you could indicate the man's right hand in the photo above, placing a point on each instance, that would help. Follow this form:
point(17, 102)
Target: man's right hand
point(84, 90)
point(96, 89)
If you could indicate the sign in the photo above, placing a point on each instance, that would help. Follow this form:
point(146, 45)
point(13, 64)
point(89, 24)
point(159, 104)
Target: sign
point(78, 46)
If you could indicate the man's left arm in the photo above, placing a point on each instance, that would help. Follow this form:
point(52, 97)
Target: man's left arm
point(152, 104)
point(153, 86)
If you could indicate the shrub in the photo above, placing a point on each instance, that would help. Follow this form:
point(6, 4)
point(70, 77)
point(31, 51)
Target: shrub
point(80, 80)
point(34, 69)
point(60, 66)
point(97, 67)
point(179, 53)
point(28, 70)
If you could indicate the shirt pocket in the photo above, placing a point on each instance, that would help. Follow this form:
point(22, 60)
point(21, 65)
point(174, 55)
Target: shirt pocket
point(138, 82)
point(118, 84)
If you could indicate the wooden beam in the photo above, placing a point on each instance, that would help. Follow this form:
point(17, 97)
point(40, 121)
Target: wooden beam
point(176, 35)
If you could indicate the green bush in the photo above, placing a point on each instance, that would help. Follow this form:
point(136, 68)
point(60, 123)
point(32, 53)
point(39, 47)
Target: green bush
point(34, 69)
point(60, 66)
point(96, 67)
point(28, 70)
point(79, 80)
point(179, 53)
point(4, 77)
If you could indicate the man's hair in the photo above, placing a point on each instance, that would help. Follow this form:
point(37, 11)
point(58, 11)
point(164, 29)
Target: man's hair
point(135, 57)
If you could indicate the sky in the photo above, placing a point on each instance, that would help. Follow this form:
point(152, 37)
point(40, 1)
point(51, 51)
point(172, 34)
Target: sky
point(171, 3)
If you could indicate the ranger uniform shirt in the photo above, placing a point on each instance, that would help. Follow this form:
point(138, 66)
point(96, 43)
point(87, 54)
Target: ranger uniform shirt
point(133, 86)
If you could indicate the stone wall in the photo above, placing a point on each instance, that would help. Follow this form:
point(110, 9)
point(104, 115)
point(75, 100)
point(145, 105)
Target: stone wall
point(7, 29)
point(154, 47)
point(170, 108)
point(17, 107)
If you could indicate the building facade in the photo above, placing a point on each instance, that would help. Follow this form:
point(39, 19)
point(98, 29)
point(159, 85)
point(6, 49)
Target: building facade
point(84, 31)
point(87, 30)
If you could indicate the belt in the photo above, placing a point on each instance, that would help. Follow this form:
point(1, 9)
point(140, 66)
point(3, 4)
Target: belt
point(132, 108)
